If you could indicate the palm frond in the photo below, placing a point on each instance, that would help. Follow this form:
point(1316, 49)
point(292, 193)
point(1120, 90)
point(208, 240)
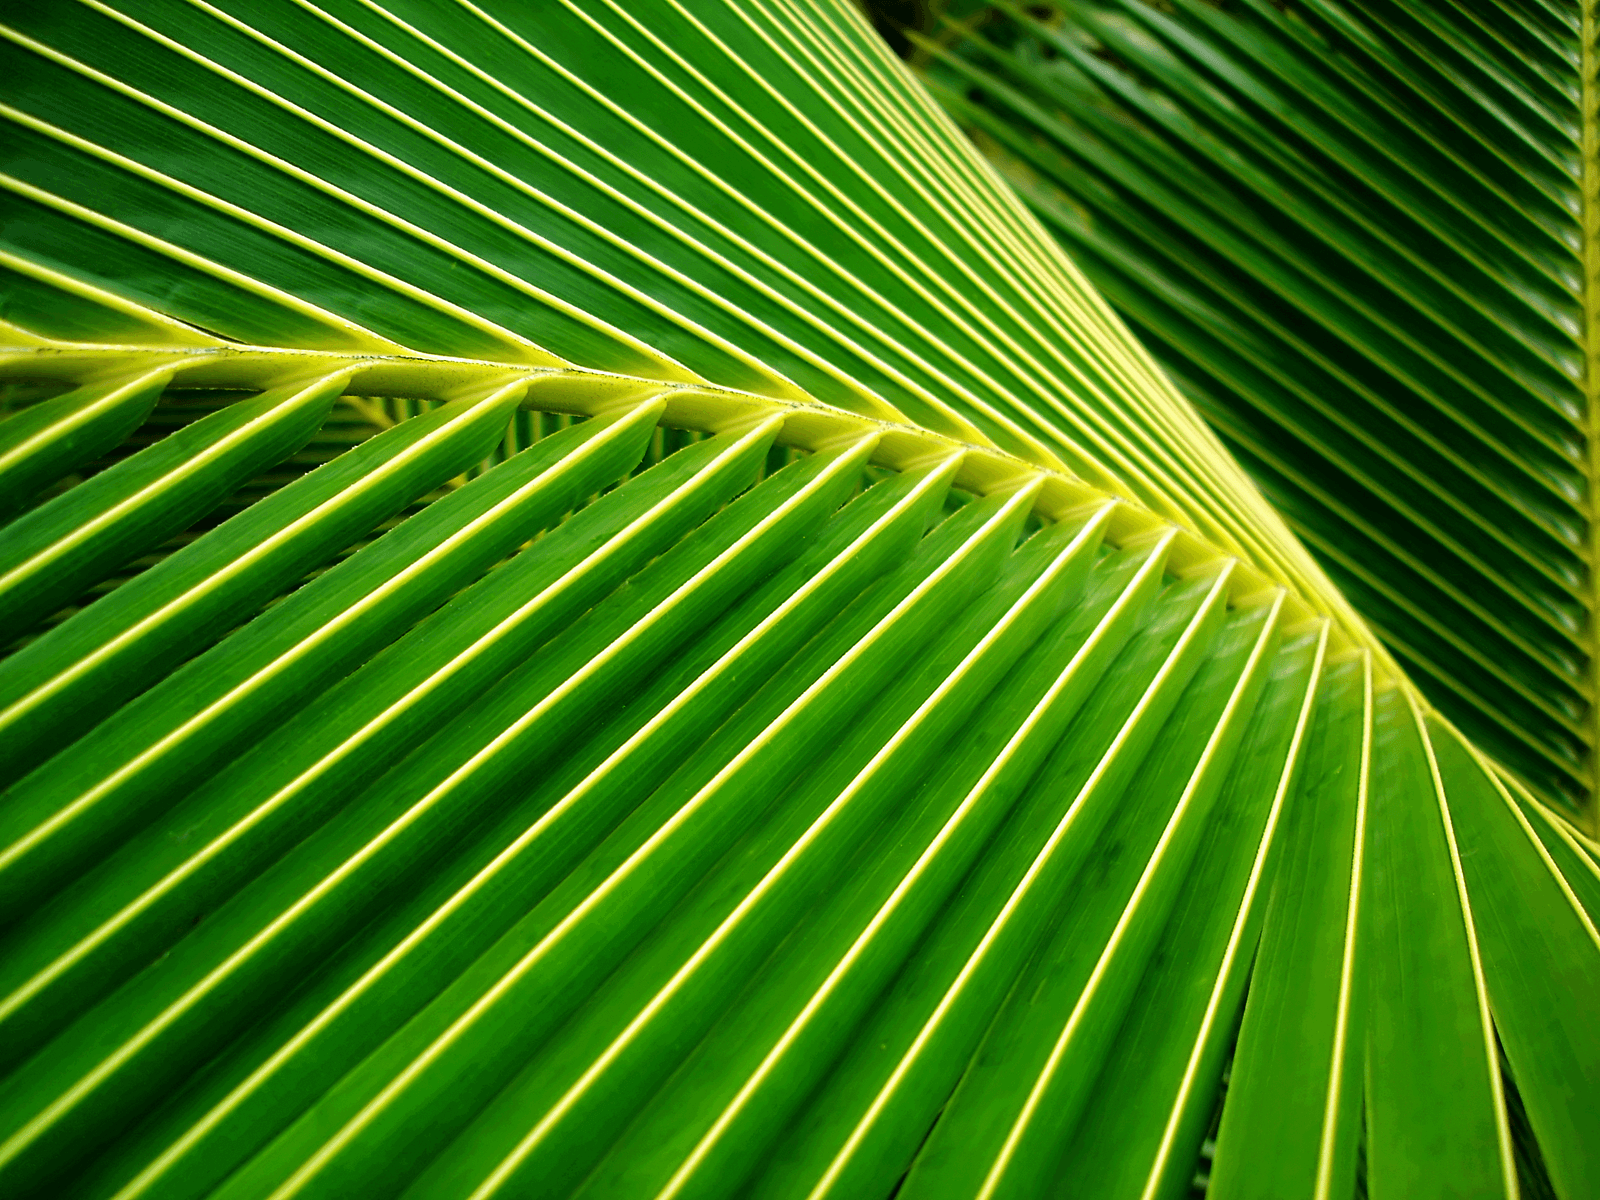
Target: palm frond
point(687, 652)
point(1353, 234)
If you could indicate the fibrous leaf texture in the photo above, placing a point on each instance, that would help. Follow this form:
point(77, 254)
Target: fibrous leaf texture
point(595, 608)
point(1355, 235)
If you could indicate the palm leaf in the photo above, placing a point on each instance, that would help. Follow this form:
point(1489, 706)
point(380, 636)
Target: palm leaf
point(1355, 235)
point(598, 609)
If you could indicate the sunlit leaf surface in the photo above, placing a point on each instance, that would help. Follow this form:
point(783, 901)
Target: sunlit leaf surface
point(594, 608)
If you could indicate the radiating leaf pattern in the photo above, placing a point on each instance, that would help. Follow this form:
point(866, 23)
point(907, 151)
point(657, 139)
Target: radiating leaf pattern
point(1354, 235)
point(595, 609)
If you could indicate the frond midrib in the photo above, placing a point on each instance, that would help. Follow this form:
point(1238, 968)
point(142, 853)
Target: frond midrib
point(811, 424)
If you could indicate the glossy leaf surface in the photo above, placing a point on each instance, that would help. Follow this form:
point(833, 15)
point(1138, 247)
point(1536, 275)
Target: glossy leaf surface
point(596, 609)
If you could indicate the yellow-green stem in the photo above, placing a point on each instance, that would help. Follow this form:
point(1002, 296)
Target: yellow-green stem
point(1590, 113)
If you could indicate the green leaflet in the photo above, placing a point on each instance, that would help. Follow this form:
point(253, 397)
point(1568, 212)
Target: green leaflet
point(1526, 913)
point(42, 443)
point(61, 547)
point(1435, 1116)
point(1309, 974)
point(1575, 863)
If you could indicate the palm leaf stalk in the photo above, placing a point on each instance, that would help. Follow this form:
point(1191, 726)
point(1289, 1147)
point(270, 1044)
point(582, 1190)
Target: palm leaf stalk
point(597, 609)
